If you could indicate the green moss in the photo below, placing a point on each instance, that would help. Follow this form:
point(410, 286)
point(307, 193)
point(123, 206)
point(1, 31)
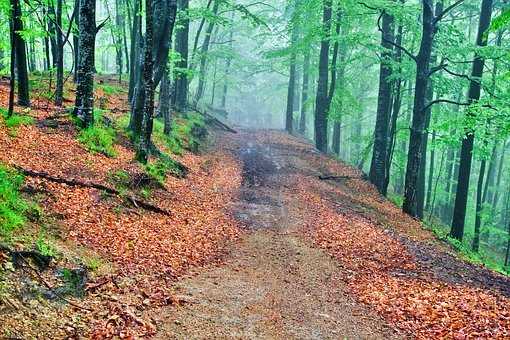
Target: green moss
point(13, 207)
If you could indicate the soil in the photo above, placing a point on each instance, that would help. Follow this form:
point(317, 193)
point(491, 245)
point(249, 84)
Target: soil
point(273, 284)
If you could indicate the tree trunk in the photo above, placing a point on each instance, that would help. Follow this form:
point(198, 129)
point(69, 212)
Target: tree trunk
point(304, 95)
point(59, 42)
point(163, 20)
point(21, 55)
point(500, 175)
point(135, 49)
point(414, 160)
point(420, 196)
point(148, 82)
point(291, 90)
point(84, 106)
point(76, 39)
point(466, 156)
point(479, 205)
point(397, 104)
point(321, 103)
point(378, 167)
point(164, 102)
point(12, 81)
point(228, 65)
point(430, 181)
point(181, 47)
point(203, 56)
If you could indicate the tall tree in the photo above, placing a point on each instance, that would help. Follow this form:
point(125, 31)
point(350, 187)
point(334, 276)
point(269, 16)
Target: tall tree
point(304, 92)
point(21, 55)
point(291, 90)
point(84, 104)
point(181, 47)
point(203, 55)
point(378, 166)
point(466, 153)
point(148, 83)
point(163, 20)
point(321, 102)
point(420, 109)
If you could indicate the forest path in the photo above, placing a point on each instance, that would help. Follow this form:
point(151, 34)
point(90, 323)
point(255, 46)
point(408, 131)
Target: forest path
point(273, 284)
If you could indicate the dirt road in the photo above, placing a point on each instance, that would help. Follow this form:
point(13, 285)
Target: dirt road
point(274, 285)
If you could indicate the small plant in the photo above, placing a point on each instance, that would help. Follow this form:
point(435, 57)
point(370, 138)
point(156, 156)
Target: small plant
point(12, 206)
point(15, 120)
point(120, 179)
point(110, 90)
point(99, 139)
point(160, 169)
point(44, 246)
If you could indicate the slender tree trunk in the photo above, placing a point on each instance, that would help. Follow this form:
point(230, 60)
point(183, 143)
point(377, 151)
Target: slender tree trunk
point(197, 35)
point(84, 107)
point(76, 42)
point(164, 102)
point(228, 65)
point(466, 156)
point(291, 90)
point(12, 81)
point(135, 49)
point(59, 41)
point(491, 174)
point(203, 56)
point(181, 47)
point(321, 105)
point(500, 175)
point(378, 166)
point(397, 104)
point(430, 181)
point(163, 21)
point(304, 95)
point(148, 82)
point(21, 55)
point(47, 60)
point(479, 204)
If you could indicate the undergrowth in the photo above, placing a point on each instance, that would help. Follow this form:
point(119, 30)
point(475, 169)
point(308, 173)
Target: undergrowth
point(13, 208)
point(99, 138)
point(465, 251)
point(161, 168)
point(15, 120)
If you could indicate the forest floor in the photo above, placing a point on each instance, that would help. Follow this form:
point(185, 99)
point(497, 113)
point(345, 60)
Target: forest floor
point(256, 246)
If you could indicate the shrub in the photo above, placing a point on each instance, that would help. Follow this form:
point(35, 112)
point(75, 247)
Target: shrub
point(12, 206)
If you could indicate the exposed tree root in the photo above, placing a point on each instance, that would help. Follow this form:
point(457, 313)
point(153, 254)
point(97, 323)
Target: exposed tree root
point(18, 257)
point(138, 203)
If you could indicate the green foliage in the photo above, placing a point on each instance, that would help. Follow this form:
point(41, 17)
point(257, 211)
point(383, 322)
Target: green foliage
point(161, 168)
point(44, 246)
point(110, 90)
point(99, 138)
point(187, 133)
point(14, 121)
point(13, 207)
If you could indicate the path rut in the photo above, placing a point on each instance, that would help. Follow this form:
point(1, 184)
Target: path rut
point(273, 284)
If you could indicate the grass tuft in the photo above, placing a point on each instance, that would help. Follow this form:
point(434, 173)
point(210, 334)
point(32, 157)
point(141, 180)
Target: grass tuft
point(13, 207)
